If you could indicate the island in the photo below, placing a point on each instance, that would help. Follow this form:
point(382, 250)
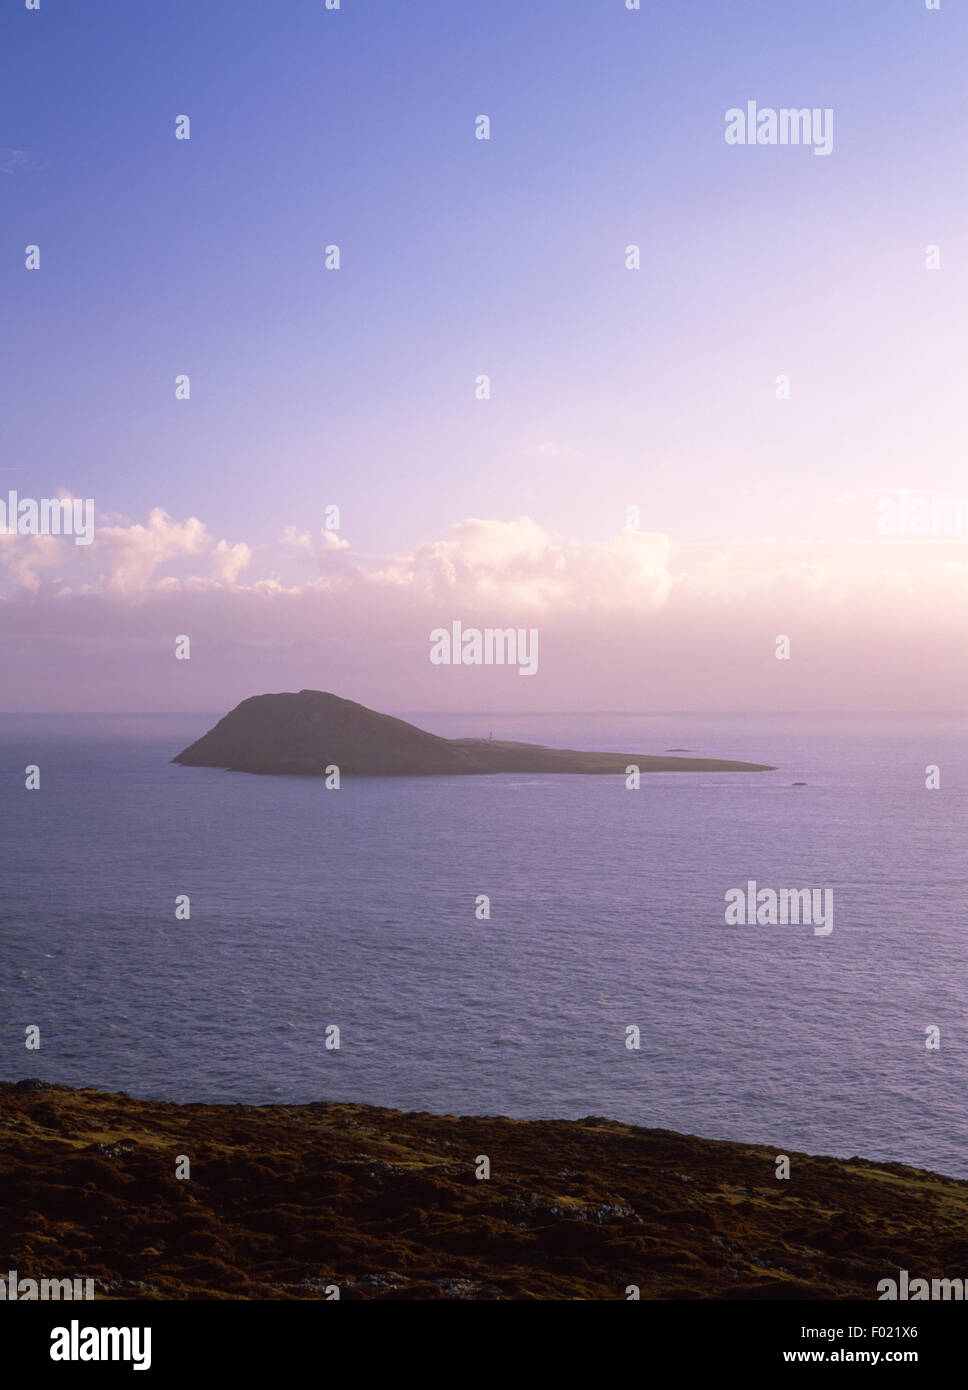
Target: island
point(303, 734)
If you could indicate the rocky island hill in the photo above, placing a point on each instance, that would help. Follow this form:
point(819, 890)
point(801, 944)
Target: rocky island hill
point(302, 734)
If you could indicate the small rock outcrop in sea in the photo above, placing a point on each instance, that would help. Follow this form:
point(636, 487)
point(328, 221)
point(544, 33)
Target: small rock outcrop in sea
point(303, 734)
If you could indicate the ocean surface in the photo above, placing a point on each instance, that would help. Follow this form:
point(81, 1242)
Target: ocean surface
point(356, 908)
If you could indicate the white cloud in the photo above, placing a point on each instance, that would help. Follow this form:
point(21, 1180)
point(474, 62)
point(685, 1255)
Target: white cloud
point(627, 619)
point(228, 561)
point(297, 539)
point(20, 161)
point(132, 554)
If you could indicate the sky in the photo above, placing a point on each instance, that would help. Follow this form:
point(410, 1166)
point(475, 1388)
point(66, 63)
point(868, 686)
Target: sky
point(654, 389)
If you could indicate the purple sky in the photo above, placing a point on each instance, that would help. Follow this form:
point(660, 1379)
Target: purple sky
point(610, 388)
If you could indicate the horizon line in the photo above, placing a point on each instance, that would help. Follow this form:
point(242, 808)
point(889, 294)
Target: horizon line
point(496, 714)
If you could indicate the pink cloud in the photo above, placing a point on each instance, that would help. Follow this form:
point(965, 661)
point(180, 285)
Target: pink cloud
point(631, 621)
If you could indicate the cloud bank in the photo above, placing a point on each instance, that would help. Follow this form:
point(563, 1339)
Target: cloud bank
point(633, 621)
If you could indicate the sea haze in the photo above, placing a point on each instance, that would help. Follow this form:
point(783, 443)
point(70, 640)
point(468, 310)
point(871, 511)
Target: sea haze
point(356, 907)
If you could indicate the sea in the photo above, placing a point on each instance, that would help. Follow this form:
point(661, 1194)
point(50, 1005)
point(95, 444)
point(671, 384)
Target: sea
point(357, 916)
